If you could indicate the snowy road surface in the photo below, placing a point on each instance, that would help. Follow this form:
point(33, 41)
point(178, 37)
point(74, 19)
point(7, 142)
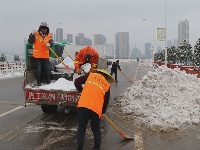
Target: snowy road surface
point(28, 128)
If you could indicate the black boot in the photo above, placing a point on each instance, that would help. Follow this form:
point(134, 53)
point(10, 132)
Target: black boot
point(38, 81)
point(48, 80)
point(80, 146)
point(97, 143)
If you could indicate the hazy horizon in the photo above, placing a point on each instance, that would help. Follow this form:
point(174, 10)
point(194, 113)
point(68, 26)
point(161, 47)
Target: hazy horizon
point(19, 18)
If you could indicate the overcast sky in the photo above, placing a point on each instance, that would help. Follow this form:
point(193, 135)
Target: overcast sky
point(19, 17)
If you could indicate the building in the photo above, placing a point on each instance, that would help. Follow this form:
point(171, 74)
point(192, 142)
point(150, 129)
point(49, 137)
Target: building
point(82, 40)
point(70, 38)
point(183, 31)
point(122, 48)
point(176, 42)
point(135, 53)
point(99, 39)
point(169, 43)
point(148, 50)
point(59, 35)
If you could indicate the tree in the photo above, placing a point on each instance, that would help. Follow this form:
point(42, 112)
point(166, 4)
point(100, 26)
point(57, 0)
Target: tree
point(172, 54)
point(196, 57)
point(185, 52)
point(2, 58)
point(16, 58)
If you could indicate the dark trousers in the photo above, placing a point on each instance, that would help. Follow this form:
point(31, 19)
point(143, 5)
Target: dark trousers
point(43, 67)
point(84, 115)
point(115, 72)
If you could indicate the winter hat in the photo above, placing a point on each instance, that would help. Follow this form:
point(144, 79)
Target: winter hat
point(44, 25)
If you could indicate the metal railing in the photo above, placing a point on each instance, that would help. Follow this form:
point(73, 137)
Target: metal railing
point(12, 69)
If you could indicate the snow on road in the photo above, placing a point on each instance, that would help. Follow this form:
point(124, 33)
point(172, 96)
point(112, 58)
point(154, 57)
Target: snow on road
point(165, 98)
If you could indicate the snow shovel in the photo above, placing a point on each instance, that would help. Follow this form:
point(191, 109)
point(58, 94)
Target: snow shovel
point(112, 124)
point(125, 76)
point(54, 53)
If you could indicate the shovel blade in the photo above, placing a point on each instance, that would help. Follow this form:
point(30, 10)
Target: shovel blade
point(117, 129)
point(125, 136)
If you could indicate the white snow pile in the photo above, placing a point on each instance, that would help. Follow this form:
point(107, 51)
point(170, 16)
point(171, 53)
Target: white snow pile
point(146, 63)
point(60, 84)
point(165, 98)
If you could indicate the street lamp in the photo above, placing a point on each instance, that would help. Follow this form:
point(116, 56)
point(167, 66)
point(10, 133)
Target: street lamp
point(152, 55)
point(152, 30)
point(151, 48)
point(165, 38)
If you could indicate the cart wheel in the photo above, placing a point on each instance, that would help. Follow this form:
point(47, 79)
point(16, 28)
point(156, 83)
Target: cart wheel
point(49, 108)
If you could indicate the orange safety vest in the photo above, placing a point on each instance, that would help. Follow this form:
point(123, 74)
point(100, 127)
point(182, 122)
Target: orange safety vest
point(92, 96)
point(39, 47)
point(80, 57)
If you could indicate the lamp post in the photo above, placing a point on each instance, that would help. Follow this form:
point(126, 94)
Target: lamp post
point(152, 55)
point(152, 29)
point(151, 48)
point(165, 38)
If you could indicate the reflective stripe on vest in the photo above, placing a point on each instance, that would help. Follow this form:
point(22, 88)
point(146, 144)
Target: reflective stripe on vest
point(38, 50)
point(94, 64)
point(40, 39)
point(90, 82)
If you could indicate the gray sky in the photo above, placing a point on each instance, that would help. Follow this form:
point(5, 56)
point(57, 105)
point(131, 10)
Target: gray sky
point(19, 17)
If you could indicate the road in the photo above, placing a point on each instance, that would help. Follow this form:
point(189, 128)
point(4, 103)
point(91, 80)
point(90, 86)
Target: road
point(28, 128)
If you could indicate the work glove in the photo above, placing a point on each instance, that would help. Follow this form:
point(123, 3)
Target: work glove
point(33, 32)
point(48, 45)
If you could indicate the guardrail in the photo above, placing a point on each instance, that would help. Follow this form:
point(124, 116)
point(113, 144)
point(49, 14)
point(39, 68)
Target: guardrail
point(12, 69)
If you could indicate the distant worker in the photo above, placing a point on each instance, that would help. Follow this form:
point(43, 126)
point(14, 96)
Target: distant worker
point(92, 104)
point(41, 41)
point(86, 55)
point(114, 68)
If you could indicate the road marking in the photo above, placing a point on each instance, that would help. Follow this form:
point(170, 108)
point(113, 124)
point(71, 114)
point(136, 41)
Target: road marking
point(10, 111)
point(138, 139)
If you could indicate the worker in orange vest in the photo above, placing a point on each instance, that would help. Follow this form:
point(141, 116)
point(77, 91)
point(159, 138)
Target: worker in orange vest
point(41, 51)
point(92, 104)
point(86, 55)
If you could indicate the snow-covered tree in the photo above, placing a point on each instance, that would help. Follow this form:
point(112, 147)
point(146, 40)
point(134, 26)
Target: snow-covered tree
point(185, 53)
point(171, 54)
point(2, 58)
point(196, 58)
point(16, 58)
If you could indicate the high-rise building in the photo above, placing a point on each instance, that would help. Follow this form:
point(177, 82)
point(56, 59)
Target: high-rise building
point(183, 31)
point(99, 39)
point(148, 50)
point(70, 38)
point(169, 43)
point(59, 35)
point(122, 48)
point(82, 40)
point(176, 42)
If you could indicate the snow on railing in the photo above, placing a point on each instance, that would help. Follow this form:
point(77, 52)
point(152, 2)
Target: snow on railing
point(11, 68)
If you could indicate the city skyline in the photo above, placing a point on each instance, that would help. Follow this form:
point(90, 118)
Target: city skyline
point(139, 18)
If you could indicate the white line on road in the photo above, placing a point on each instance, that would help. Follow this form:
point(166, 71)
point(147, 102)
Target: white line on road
point(138, 139)
point(10, 111)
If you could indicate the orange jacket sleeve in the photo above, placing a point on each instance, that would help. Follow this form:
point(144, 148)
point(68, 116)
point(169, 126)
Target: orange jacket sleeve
point(94, 60)
point(79, 59)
